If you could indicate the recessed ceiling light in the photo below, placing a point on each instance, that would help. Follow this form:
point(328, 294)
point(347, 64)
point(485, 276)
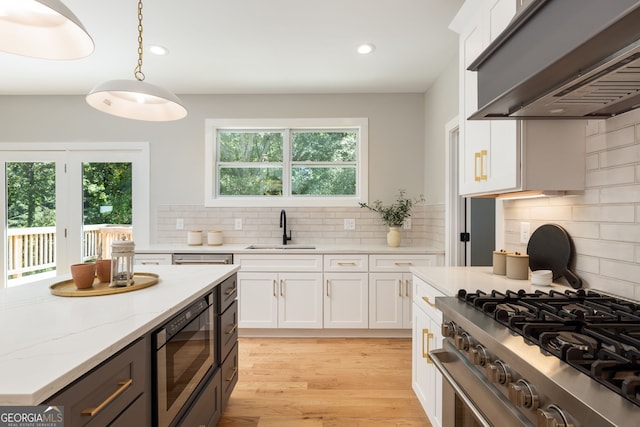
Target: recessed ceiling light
point(158, 50)
point(365, 49)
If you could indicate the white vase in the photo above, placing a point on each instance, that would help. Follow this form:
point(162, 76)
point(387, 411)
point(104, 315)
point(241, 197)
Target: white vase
point(393, 237)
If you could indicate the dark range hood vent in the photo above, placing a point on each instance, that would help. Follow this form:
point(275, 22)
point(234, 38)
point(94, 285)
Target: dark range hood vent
point(565, 59)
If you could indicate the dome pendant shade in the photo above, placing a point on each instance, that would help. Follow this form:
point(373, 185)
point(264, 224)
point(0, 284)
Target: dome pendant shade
point(138, 100)
point(44, 29)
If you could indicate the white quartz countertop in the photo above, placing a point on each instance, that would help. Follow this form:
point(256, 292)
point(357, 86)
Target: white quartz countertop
point(48, 341)
point(449, 280)
point(241, 248)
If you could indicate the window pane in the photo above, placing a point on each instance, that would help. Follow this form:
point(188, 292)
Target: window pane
point(324, 146)
point(106, 206)
point(31, 219)
point(323, 181)
point(250, 181)
point(248, 147)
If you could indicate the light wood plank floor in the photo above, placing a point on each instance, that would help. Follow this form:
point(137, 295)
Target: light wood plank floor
point(329, 382)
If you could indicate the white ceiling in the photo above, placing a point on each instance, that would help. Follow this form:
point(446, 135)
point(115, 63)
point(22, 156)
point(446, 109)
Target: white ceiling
point(252, 46)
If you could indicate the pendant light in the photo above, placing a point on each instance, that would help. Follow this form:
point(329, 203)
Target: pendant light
point(44, 29)
point(136, 99)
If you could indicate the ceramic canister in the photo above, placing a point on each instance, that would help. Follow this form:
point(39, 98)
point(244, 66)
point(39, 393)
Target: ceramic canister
point(214, 237)
point(500, 262)
point(518, 266)
point(194, 237)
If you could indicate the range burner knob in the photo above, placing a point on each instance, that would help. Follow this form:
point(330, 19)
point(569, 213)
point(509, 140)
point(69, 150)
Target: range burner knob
point(463, 341)
point(479, 355)
point(449, 329)
point(498, 373)
point(522, 394)
point(552, 416)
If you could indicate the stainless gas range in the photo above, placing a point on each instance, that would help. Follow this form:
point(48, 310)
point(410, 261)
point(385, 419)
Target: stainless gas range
point(539, 359)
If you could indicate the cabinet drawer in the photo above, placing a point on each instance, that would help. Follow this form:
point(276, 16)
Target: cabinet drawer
point(401, 263)
point(116, 384)
point(152, 259)
point(205, 410)
point(279, 262)
point(227, 293)
point(228, 330)
point(229, 374)
point(424, 296)
point(346, 263)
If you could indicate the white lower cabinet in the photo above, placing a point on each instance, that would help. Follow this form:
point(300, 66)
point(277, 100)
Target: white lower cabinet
point(390, 289)
point(346, 291)
point(426, 379)
point(280, 300)
point(346, 300)
point(390, 300)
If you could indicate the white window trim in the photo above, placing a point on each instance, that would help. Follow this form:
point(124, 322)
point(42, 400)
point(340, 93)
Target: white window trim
point(362, 179)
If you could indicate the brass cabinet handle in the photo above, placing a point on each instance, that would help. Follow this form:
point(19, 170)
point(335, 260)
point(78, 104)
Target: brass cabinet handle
point(281, 287)
point(477, 160)
point(400, 287)
point(483, 174)
point(231, 291)
point(425, 354)
point(274, 288)
point(233, 374)
point(123, 385)
point(403, 263)
point(233, 328)
point(346, 263)
point(408, 283)
point(426, 299)
point(328, 285)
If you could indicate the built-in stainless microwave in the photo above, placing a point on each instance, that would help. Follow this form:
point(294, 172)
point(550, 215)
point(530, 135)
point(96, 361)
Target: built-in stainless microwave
point(184, 354)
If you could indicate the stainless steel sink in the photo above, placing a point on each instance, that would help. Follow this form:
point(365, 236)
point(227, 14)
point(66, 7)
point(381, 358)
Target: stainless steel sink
point(269, 246)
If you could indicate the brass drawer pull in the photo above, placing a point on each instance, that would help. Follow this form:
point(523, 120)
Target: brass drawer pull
point(233, 328)
point(235, 372)
point(398, 263)
point(231, 291)
point(429, 337)
point(346, 263)
point(426, 299)
point(123, 385)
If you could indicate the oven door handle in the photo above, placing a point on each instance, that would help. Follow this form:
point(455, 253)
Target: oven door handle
point(440, 364)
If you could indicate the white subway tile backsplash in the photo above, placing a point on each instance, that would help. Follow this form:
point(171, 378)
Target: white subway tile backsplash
point(604, 220)
point(621, 156)
point(613, 176)
point(309, 225)
point(622, 194)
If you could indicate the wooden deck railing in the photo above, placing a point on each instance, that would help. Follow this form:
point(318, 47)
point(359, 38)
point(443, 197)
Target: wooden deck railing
point(31, 250)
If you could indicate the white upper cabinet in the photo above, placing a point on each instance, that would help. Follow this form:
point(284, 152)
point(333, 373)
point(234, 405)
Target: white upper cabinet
point(502, 156)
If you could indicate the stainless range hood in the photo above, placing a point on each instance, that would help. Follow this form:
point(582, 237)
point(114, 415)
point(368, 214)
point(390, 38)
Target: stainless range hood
point(566, 59)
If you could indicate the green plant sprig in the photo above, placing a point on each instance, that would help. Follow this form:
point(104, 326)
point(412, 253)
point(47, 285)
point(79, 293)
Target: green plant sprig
point(395, 214)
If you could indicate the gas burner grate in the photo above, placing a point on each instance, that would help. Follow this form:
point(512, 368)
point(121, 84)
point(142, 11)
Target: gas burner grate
point(595, 333)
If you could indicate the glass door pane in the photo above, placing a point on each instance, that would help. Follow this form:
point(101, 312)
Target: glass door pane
point(30, 220)
point(106, 207)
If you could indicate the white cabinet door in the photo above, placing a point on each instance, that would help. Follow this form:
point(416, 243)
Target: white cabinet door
point(426, 379)
point(346, 300)
point(284, 300)
point(300, 300)
point(258, 295)
point(386, 292)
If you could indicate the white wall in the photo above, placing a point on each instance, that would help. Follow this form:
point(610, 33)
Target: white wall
point(396, 135)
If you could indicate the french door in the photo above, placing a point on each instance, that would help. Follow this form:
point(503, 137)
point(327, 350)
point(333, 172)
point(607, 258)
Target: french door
point(64, 203)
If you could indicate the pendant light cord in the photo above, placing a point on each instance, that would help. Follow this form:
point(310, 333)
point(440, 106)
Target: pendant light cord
point(137, 72)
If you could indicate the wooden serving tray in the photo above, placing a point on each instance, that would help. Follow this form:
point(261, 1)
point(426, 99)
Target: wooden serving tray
point(67, 288)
